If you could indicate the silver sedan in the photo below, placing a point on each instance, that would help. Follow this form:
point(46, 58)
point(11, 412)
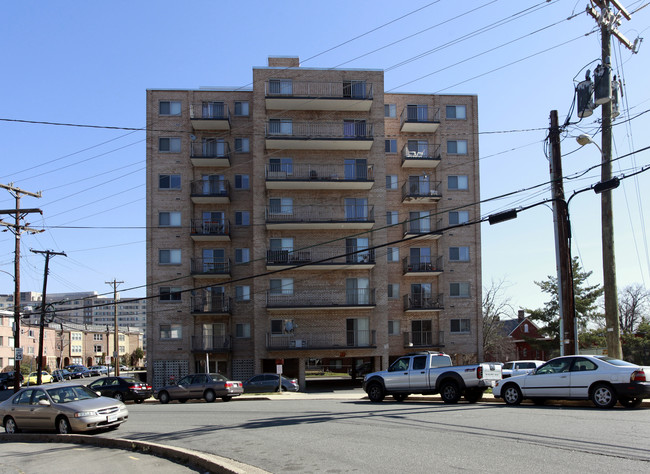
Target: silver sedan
point(62, 407)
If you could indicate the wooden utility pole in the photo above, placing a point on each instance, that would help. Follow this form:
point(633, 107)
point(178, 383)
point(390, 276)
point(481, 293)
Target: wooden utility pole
point(608, 22)
point(17, 230)
point(116, 352)
point(43, 308)
point(562, 251)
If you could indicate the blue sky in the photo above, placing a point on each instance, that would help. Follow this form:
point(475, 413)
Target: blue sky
point(91, 63)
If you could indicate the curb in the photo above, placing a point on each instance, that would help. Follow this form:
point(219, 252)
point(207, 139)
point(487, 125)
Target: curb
point(194, 459)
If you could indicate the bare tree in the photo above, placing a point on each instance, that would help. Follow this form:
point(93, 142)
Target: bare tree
point(633, 301)
point(496, 307)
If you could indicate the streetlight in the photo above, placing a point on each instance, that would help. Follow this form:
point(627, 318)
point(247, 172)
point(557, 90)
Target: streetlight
point(609, 265)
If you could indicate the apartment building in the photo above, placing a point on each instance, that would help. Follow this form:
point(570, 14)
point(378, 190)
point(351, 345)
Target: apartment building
point(313, 219)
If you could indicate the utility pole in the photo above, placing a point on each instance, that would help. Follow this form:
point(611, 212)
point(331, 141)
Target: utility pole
point(43, 308)
point(562, 251)
point(17, 229)
point(608, 22)
point(116, 352)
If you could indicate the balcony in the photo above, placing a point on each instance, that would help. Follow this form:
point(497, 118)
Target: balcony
point(344, 135)
point(422, 266)
point(341, 96)
point(210, 268)
point(424, 339)
point(213, 154)
point(427, 156)
point(210, 116)
point(210, 231)
point(420, 119)
point(210, 191)
point(327, 177)
point(321, 299)
point(320, 258)
point(218, 344)
point(320, 340)
point(419, 302)
point(320, 217)
point(423, 228)
point(206, 303)
point(419, 189)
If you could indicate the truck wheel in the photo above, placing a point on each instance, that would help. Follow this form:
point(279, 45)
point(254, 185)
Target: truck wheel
point(400, 397)
point(375, 392)
point(449, 392)
point(473, 395)
point(511, 394)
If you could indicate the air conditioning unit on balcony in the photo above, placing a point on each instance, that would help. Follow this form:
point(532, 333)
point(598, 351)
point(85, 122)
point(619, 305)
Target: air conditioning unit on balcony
point(298, 343)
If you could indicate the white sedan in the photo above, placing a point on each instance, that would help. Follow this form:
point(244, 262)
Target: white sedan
point(601, 379)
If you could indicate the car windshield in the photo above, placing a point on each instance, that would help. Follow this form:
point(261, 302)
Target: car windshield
point(71, 393)
point(618, 362)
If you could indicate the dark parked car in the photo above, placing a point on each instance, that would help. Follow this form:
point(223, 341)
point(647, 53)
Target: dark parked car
point(122, 388)
point(269, 383)
point(60, 375)
point(206, 386)
point(8, 379)
point(79, 372)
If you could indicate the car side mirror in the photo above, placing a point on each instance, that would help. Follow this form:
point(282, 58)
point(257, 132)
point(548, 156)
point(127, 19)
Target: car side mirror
point(99, 394)
point(44, 403)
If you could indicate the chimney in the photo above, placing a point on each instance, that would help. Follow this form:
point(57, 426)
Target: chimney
point(520, 315)
point(284, 61)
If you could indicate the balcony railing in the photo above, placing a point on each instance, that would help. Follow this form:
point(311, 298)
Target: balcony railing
point(210, 266)
point(420, 118)
point(322, 340)
point(210, 188)
point(418, 302)
point(426, 265)
point(208, 228)
point(319, 214)
point(315, 298)
point(314, 173)
point(424, 339)
point(331, 255)
point(421, 190)
point(211, 343)
point(206, 302)
point(319, 90)
point(424, 225)
point(320, 130)
point(210, 153)
point(421, 155)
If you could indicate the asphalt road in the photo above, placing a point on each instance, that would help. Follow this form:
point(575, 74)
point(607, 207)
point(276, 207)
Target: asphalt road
point(419, 435)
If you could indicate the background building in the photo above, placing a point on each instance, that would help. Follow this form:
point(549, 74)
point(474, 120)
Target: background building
point(315, 219)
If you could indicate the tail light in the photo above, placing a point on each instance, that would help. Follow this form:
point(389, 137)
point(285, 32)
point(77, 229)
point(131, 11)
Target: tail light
point(479, 372)
point(638, 376)
point(229, 385)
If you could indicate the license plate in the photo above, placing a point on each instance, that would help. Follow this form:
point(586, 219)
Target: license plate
point(111, 418)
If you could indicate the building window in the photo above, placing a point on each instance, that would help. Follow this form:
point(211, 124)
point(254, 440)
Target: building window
point(281, 286)
point(169, 256)
point(243, 330)
point(98, 348)
point(171, 331)
point(459, 254)
point(459, 326)
point(169, 181)
point(277, 326)
point(458, 217)
point(393, 327)
point(281, 86)
point(170, 107)
point(280, 126)
point(243, 293)
point(392, 254)
point(281, 206)
point(459, 290)
point(170, 293)
point(242, 181)
point(526, 327)
point(456, 112)
point(241, 108)
point(169, 145)
point(390, 110)
point(242, 218)
point(242, 256)
point(98, 337)
point(390, 146)
point(169, 219)
point(393, 291)
point(391, 181)
point(457, 182)
point(242, 145)
point(391, 217)
point(457, 147)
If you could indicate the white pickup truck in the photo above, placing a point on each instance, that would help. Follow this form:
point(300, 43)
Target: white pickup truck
point(430, 373)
